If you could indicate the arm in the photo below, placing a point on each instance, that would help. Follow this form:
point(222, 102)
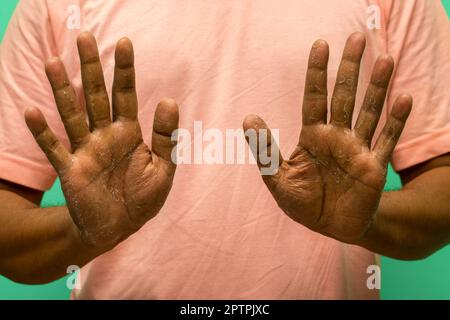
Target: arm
point(37, 244)
point(415, 221)
point(112, 182)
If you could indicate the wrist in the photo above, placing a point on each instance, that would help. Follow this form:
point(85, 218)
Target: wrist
point(86, 249)
point(379, 230)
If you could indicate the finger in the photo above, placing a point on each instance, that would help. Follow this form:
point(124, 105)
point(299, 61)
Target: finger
point(263, 146)
point(392, 130)
point(164, 124)
point(97, 103)
point(343, 100)
point(374, 99)
point(314, 109)
point(124, 98)
point(65, 98)
point(56, 153)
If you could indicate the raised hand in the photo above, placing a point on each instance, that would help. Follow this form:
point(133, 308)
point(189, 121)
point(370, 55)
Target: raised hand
point(333, 181)
point(113, 183)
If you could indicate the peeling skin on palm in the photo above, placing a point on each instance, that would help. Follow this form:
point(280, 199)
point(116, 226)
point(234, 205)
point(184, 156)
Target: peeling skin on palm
point(113, 183)
point(333, 181)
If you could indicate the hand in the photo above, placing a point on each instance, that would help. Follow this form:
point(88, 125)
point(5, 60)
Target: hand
point(333, 181)
point(113, 183)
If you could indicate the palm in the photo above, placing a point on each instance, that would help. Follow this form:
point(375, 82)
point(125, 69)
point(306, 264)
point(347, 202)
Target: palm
point(333, 181)
point(113, 183)
point(115, 172)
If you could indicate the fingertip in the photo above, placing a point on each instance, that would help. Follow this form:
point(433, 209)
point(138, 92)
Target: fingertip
point(406, 98)
point(125, 42)
point(319, 54)
point(389, 58)
point(53, 65)
point(320, 43)
point(52, 61)
point(32, 113)
point(55, 71)
point(354, 47)
point(34, 119)
point(402, 107)
point(166, 116)
point(124, 54)
point(386, 58)
point(168, 104)
point(384, 66)
point(87, 47)
point(358, 36)
point(84, 37)
point(248, 121)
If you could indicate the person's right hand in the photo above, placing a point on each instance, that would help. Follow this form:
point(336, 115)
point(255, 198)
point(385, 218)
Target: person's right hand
point(113, 183)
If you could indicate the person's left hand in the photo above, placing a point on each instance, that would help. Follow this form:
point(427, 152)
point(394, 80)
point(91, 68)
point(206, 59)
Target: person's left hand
point(333, 181)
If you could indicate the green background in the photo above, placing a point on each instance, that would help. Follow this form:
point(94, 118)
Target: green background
point(424, 279)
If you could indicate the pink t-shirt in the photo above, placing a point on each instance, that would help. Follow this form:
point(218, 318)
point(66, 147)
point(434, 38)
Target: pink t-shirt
point(220, 234)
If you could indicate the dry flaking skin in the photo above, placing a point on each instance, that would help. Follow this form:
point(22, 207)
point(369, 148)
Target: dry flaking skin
point(112, 181)
point(333, 181)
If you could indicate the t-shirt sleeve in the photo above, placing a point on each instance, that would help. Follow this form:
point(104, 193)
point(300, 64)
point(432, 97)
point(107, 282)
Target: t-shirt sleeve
point(418, 37)
point(27, 44)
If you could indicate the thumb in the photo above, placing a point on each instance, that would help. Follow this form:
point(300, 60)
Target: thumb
point(263, 145)
point(164, 125)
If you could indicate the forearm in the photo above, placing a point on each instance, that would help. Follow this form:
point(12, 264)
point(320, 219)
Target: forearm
point(38, 244)
point(415, 221)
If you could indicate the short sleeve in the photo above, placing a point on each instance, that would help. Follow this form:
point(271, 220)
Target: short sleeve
point(26, 46)
point(418, 37)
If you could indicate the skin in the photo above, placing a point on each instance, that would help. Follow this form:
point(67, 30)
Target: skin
point(332, 183)
point(113, 183)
